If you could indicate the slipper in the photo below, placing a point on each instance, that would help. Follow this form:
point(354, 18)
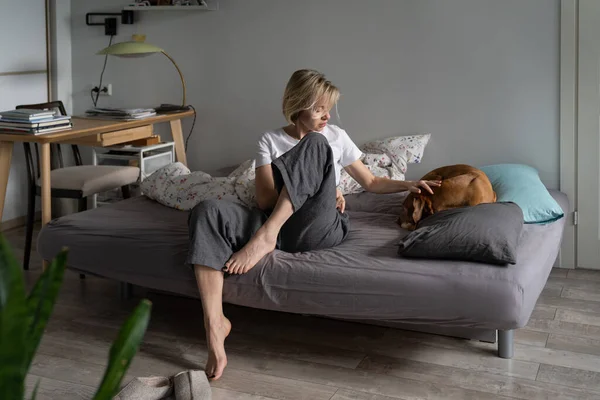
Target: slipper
point(150, 388)
point(192, 385)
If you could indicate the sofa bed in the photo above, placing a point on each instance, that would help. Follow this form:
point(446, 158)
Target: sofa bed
point(139, 241)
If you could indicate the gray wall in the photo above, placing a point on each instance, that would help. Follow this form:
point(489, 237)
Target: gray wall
point(481, 76)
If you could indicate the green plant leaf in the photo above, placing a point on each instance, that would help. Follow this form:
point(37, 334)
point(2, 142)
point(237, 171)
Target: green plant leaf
point(12, 286)
point(13, 325)
point(123, 350)
point(40, 303)
point(35, 390)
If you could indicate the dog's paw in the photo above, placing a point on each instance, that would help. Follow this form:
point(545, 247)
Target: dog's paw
point(408, 226)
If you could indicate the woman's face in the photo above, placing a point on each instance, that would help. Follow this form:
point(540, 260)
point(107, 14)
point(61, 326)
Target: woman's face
point(315, 120)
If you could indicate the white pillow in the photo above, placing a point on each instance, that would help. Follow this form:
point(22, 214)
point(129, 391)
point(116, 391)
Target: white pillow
point(379, 164)
point(412, 147)
point(245, 188)
point(387, 158)
point(175, 186)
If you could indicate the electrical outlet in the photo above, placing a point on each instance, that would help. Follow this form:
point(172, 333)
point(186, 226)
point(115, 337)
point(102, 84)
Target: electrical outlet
point(106, 89)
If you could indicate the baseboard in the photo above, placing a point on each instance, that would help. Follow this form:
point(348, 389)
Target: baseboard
point(17, 222)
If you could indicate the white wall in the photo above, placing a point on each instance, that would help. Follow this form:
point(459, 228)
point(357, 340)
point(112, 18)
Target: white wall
point(28, 52)
point(61, 52)
point(480, 75)
point(22, 49)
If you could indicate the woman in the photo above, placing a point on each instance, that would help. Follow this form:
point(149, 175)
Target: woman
point(299, 208)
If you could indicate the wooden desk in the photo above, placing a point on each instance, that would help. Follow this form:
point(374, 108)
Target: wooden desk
point(87, 132)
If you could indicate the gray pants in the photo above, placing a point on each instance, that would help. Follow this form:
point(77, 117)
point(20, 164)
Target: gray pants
point(218, 228)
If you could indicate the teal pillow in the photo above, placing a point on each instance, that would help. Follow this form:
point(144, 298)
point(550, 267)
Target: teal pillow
point(522, 185)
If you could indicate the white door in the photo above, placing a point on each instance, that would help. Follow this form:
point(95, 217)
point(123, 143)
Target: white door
point(588, 132)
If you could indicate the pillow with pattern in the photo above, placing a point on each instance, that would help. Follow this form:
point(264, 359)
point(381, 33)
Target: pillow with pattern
point(387, 158)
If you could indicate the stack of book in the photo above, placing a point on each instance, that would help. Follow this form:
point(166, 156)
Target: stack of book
point(33, 122)
point(121, 113)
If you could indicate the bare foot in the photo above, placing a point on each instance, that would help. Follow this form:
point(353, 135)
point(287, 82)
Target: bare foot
point(215, 338)
point(262, 243)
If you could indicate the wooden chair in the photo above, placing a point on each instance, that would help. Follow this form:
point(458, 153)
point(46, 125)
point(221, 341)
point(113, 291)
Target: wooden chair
point(71, 182)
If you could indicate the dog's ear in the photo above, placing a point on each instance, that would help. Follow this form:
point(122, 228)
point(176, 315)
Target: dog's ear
point(418, 205)
point(428, 208)
point(422, 207)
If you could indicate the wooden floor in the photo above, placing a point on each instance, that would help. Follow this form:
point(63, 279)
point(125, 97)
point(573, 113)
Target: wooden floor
point(280, 356)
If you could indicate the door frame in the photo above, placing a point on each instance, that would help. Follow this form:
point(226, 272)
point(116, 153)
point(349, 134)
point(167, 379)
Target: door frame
point(569, 65)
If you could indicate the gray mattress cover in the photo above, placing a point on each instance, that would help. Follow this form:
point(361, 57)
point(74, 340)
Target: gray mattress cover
point(144, 243)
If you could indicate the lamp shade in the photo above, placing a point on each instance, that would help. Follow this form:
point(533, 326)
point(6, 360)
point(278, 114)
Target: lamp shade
point(131, 49)
point(137, 47)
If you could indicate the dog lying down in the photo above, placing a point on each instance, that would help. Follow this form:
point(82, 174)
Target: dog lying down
point(462, 186)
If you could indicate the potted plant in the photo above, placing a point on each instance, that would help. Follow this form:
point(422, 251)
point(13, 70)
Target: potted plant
point(23, 318)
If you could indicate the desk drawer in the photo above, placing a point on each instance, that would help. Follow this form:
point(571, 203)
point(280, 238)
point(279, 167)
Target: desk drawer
point(117, 137)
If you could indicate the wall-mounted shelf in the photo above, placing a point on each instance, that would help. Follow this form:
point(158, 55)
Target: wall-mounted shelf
point(210, 5)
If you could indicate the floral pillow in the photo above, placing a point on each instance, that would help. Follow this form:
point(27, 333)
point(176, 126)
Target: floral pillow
point(175, 186)
point(412, 147)
point(379, 165)
point(245, 188)
point(388, 158)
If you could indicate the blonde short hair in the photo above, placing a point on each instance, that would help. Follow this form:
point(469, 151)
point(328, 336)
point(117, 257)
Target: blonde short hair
point(304, 89)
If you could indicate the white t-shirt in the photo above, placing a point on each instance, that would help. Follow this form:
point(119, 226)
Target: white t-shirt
point(272, 144)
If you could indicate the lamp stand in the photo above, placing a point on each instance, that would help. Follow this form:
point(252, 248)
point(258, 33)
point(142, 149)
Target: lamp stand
point(180, 76)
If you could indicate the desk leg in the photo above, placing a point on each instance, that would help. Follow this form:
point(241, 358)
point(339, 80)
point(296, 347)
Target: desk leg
point(46, 192)
point(5, 157)
point(177, 134)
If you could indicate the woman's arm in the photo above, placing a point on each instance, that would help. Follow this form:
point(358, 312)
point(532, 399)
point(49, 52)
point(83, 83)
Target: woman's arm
point(266, 194)
point(375, 184)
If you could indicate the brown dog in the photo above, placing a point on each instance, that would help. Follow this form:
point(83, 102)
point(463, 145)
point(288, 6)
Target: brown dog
point(462, 185)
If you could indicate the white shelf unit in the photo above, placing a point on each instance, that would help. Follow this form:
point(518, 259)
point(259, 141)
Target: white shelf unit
point(147, 158)
point(209, 5)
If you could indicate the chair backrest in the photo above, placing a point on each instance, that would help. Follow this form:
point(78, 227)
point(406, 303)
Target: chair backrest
point(51, 105)
point(34, 173)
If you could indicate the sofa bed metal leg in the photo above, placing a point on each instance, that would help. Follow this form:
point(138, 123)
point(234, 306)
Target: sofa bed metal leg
point(126, 290)
point(505, 343)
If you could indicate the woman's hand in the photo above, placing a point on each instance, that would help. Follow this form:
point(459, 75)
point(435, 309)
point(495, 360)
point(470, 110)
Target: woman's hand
point(340, 202)
point(417, 186)
point(373, 184)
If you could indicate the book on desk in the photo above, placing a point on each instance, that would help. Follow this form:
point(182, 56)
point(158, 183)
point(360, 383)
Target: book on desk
point(33, 122)
point(121, 113)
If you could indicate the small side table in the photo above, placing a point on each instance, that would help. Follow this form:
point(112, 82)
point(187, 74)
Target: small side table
point(147, 158)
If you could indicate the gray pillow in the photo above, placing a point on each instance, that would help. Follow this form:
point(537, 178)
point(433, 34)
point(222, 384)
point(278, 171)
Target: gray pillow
point(487, 233)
